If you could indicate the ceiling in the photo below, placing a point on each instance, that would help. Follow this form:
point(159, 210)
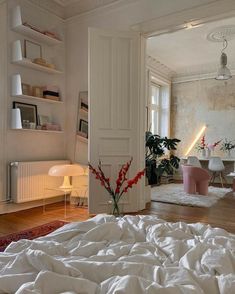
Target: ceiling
point(75, 7)
point(188, 52)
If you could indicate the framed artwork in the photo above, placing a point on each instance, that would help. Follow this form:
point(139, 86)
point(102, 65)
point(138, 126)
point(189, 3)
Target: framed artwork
point(43, 119)
point(32, 50)
point(83, 128)
point(28, 112)
point(83, 98)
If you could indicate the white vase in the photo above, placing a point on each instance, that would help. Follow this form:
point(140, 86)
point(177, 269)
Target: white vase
point(203, 153)
point(16, 119)
point(228, 153)
point(208, 153)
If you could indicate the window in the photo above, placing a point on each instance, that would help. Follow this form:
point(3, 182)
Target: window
point(159, 109)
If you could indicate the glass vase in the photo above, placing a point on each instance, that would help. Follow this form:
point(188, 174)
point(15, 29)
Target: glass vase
point(115, 208)
point(228, 153)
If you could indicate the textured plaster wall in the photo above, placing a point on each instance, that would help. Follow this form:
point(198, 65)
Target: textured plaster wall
point(197, 103)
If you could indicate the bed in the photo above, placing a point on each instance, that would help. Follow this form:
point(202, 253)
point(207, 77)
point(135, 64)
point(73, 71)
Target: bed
point(133, 254)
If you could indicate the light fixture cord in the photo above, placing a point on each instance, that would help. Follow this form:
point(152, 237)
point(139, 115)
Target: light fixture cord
point(225, 45)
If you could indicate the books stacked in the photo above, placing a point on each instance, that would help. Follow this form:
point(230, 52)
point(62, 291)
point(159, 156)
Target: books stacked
point(51, 92)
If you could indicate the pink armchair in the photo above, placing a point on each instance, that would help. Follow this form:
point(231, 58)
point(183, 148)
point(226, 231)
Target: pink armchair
point(196, 179)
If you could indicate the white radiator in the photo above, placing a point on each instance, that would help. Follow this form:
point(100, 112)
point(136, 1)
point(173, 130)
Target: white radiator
point(29, 180)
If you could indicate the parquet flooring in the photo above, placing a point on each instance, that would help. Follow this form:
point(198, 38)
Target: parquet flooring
point(222, 215)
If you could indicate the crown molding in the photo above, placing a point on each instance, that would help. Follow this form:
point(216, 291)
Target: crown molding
point(159, 68)
point(197, 77)
point(199, 14)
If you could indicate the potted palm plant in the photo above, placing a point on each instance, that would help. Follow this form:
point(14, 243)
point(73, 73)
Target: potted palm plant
point(157, 162)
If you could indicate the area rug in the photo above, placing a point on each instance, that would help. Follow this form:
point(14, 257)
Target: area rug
point(174, 193)
point(30, 234)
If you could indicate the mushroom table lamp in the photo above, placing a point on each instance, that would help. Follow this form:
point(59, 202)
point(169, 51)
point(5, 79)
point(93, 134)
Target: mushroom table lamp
point(66, 171)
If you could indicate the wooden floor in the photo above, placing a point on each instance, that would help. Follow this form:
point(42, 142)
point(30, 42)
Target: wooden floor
point(222, 215)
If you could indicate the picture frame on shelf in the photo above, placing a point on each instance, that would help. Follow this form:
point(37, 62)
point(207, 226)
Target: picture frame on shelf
point(32, 50)
point(29, 115)
point(43, 119)
point(83, 128)
point(83, 97)
point(26, 89)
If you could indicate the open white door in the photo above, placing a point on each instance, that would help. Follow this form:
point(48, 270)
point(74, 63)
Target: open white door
point(117, 109)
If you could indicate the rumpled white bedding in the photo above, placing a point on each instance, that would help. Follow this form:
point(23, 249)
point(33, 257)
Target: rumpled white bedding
point(133, 254)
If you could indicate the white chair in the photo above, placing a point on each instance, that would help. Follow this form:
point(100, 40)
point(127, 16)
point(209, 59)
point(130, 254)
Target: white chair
point(216, 166)
point(194, 161)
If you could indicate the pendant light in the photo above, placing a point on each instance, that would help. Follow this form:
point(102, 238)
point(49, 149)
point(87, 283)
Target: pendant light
point(223, 72)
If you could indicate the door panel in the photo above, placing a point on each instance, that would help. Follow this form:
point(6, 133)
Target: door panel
point(114, 103)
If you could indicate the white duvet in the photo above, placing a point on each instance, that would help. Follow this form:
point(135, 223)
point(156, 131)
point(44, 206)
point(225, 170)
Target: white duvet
point(134, 254)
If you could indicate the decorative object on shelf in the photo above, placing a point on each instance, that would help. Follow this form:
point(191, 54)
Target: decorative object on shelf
point(201, 147)
point(122, 183)
point(51, 35)
point(51, 92)
point(211, 147)
point(16, 119)
point(40, 61)
point(206, 148)
point(32, 27)
point(28, 113)
point(83, 101)
point(66, 171)
point(157, 163)
point(37, 91)
point(51, 127)
point(26, 89)
point(32, 50)
point(83, 128)
point(43, 119)
point(227, 146)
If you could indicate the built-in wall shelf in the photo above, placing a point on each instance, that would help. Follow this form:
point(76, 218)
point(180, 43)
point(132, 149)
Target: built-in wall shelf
point(37, 131)
point(19, 27)
point(39, 99)
point(18, 58)
point(28, 63)
point(82, 139)
point(83, 112)
point(17, 91)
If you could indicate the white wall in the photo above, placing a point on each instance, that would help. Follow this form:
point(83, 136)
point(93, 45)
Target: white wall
point(112, 17)
point(204, 102)
point(22, 145)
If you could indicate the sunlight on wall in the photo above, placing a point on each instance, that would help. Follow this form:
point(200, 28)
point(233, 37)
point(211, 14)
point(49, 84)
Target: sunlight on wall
point(196, 139)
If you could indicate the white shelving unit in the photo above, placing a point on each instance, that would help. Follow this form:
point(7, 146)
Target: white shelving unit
point(17, 58)
point(20, 15)
point(19, 27)
point(37, 131)
point(16, 91)
point(82, 139)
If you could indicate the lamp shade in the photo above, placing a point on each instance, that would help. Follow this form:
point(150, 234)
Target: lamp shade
point(66, 170)
point(223, 72)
